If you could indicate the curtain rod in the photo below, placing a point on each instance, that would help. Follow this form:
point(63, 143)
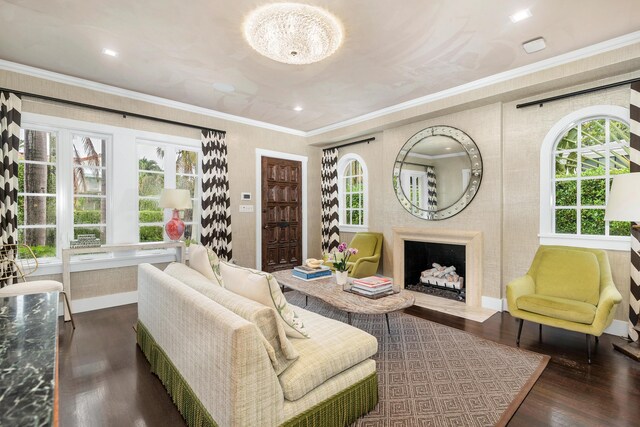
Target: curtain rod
point(368, 140)
point(543, 101)
point(123, 113)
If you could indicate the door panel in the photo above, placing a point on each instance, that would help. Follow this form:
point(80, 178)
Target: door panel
point(281, 214)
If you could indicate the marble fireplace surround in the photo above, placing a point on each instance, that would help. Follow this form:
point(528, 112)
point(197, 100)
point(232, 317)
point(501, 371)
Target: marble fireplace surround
point(471, 240)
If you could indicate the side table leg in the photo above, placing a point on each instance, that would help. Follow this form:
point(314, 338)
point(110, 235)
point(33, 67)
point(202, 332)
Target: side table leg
point(386, 316)
point(348, 317)
point(306, 300)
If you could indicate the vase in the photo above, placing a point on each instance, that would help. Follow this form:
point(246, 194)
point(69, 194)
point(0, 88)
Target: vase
point(341, 277)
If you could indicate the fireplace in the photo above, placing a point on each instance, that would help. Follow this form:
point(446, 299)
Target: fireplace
point(435, 268)
point(413, 249)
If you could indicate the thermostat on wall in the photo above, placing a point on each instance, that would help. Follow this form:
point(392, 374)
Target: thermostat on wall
point(245, 196)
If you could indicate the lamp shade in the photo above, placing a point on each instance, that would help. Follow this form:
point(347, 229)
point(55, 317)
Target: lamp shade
point(175, 199)
point(624, 198)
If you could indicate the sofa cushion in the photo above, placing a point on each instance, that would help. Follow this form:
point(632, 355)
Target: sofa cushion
point(558, 308)
point(333, 348)
point(365, 243)
point(263, 288)
point(281, 352)
point(569, 274)
point(205, 262)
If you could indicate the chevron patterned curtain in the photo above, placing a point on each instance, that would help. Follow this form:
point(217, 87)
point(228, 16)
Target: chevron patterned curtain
point(10, 111)
point(329, 184)
point(432, 189)
point(216, 203)
point(634, 157)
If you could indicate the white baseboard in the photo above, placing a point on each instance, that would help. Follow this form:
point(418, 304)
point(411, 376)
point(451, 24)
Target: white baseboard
point(492, 303)
point(106, 301)
point(617, 328)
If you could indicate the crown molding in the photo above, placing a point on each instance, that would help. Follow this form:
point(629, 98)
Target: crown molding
point(138, 96)
point(598, 48)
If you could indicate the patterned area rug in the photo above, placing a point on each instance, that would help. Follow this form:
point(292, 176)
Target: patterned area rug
point(433, 375)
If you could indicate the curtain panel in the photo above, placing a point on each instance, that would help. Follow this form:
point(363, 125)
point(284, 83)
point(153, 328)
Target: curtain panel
point(634, 157)
point(329, 196)
point(216, 203)
point(432, 189)
point(10, 113)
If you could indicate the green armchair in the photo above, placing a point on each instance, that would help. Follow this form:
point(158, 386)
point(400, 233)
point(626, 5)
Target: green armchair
point(568, 288)
point(365, 262)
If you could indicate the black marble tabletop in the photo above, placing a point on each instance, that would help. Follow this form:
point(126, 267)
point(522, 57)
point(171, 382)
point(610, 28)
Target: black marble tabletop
point(28, 338)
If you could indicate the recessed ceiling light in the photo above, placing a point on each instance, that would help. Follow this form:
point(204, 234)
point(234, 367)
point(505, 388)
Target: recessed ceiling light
point(224, 87)
point(297, 108)
point(520, 15)
point(109, 52)
point(534, 45)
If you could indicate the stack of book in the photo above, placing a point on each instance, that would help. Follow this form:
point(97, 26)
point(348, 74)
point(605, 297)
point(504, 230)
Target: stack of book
point(372, 286)
point(309, 273)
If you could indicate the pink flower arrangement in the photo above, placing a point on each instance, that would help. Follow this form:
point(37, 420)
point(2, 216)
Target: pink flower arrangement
point(340, 258)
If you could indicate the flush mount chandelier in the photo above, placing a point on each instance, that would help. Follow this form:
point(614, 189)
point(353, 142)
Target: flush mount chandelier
point(293, 33)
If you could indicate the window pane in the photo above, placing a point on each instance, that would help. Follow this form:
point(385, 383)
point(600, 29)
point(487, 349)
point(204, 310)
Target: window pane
point(593, 162)
point(146, 216)
point(36, 178)
point(99, 232)
point(566, 221)
point(356, 217)
point(189, 230)
point(566, 193)
point(593, 192)
point(566, 164)
point(38, 210)
point(150, 184)
point(151, 233)
point(347, 202)
point(88, 180)
point(187, 162)
point(89, 210)
point(187, 214)
point(619, 228)
point(41, 240)
point(88, 151)
point(150, 158)
point(356, 201)
point(37, 146)
point(186, 183)
point(356, 184)
point(619, 160)
point(592, 221)
point(593, 132)
point(569, 140)
point(619, 132)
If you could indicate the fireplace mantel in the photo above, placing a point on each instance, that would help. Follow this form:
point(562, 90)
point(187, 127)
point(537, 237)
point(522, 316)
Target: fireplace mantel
point(471, 240)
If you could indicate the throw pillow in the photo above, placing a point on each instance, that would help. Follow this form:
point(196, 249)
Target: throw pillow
point(205, 262)
point(263, 288)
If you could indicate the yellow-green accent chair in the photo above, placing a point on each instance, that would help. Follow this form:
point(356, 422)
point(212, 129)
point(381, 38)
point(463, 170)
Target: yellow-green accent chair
point(365, 262)
point(566, 287)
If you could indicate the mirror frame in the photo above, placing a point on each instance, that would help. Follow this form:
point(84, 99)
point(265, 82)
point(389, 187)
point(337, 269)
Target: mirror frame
point(474, 183)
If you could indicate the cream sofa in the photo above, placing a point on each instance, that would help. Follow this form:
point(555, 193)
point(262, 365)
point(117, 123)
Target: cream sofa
point(215, 352)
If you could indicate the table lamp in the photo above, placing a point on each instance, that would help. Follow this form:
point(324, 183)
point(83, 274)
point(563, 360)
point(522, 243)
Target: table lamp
point(176, 200)
point(624, 205)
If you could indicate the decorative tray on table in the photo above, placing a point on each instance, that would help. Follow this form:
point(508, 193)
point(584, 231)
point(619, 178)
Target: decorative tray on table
point(377, 296)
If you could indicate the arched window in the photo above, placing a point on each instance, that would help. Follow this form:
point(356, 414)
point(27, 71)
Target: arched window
point(352, 190)
point(579, 157)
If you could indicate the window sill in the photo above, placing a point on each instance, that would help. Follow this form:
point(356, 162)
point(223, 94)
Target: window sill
point(88, 262)
point(353, 228)
point(613, 243)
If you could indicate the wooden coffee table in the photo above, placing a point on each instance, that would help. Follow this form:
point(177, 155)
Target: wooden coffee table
point(330, 292)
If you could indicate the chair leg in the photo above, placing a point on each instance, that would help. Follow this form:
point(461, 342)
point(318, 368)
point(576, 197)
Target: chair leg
point(519, 332)
point(66, 301)
point(597, 340)
point(589, 348)
point(540, 332)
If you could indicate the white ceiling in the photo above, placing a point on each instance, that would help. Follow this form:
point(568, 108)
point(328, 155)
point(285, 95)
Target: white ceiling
point(394, 51)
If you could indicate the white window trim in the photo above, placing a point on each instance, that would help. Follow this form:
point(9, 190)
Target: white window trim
point(547, 235)
point(121, 137)
point(342, 163)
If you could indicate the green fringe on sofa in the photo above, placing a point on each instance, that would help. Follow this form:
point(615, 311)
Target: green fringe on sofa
point(343, 409)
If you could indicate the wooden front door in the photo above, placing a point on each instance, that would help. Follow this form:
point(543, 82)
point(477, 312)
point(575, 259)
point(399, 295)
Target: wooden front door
point(281, 214)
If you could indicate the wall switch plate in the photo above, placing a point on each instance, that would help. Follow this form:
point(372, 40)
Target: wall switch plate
point(245, 196)
point(246, 208)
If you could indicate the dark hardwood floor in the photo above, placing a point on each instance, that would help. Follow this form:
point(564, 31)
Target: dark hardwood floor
point(105, 380)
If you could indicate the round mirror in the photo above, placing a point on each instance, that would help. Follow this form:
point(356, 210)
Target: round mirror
point(437, 172)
